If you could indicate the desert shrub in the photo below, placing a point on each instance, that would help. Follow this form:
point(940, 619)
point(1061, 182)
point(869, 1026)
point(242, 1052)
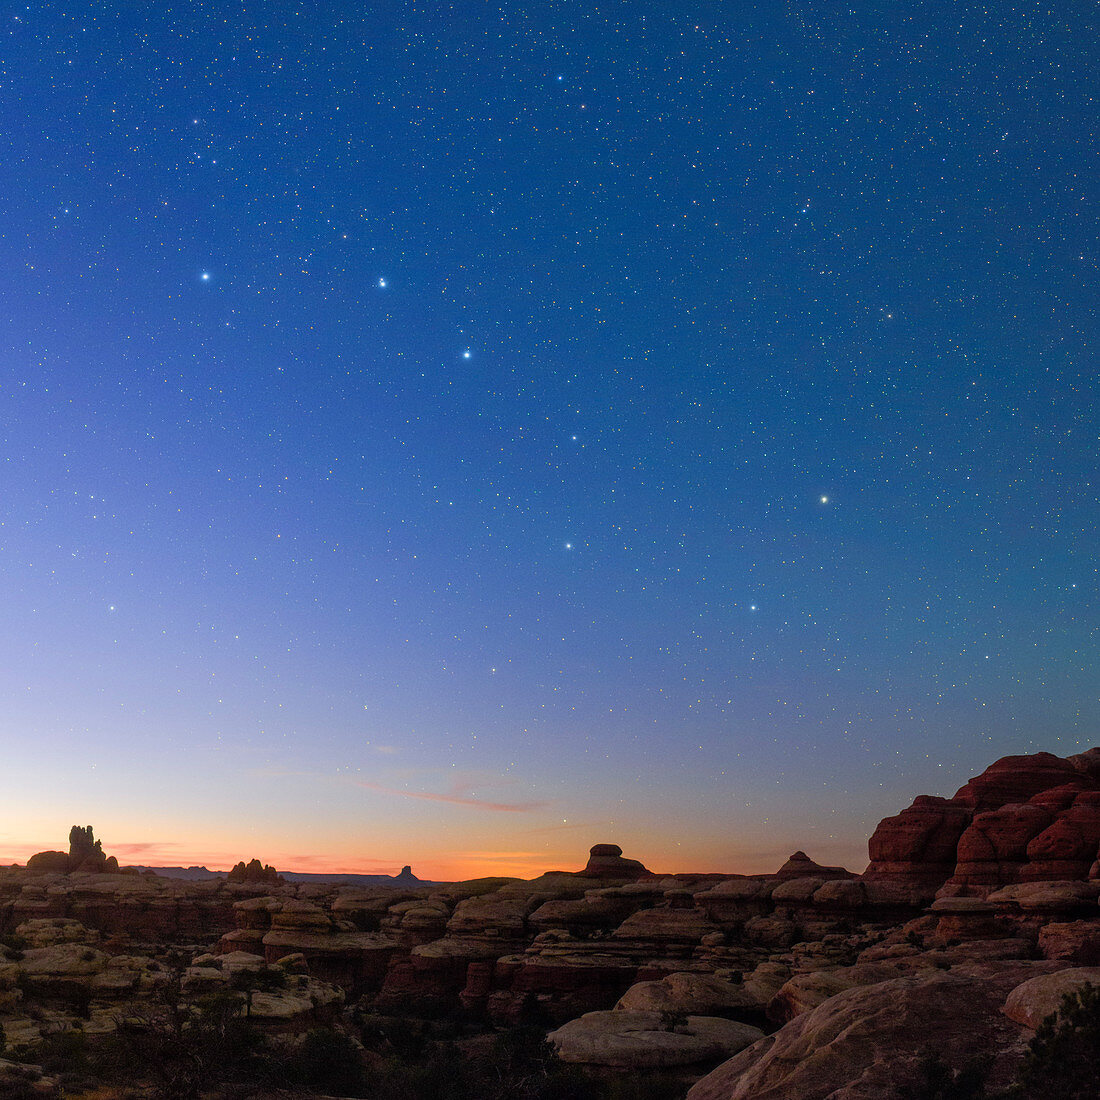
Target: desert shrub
point(14, 1087)
point(62, 1054)
point(267, 979)
point(329, 1061)
point(1061, 1063)
point(14, 945)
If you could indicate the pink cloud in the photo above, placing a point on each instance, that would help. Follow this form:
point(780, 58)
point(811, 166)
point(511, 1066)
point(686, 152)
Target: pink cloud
point(455, 799)
point(137, 848)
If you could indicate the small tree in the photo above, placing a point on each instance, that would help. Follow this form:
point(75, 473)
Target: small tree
point(1061, 1063)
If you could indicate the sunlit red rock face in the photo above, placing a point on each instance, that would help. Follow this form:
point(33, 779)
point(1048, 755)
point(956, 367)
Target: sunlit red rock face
point(1024, 819)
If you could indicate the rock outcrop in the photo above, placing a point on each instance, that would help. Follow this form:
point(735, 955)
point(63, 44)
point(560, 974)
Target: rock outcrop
point(1025, 818)
point(868, 1042)
point(606, 861)
point(649, 1040)
point(254, 871)
point(85, 855)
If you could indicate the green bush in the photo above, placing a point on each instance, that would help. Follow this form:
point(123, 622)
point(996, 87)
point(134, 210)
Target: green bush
point(1063, 1059)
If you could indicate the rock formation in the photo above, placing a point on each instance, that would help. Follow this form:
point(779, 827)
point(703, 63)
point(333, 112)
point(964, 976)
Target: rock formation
point(1025, 818)
point(975, 913)
point(606, 861)
point(253, 871)
point(85, 855)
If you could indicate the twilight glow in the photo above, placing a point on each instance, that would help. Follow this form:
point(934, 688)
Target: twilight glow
point(457, 435)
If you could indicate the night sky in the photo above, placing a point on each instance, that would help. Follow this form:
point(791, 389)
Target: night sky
point(458, 434)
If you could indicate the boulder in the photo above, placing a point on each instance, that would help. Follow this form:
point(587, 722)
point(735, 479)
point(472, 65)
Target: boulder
point(649, 1040)
point(687, 993)
point(806, 991)
point(869, 1042)
point(1033, 1001)
point(1072, 941)
point(665, 926)
point(1047, 897)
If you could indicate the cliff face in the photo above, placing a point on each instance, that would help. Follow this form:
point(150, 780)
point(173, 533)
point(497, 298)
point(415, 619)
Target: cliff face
point(1024, 819)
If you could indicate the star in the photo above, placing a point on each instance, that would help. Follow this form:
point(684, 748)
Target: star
point(205, 276)
point(824, 500)
point(382, 284)
point(466, 354)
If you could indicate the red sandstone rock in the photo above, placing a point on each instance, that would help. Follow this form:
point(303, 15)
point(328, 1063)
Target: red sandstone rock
point(868, 1042)
point(636, 1040)
point(1088, 763)
point(254, 871)
point(1076, 942)
point(993, 849)
point(800, 865)
point(1067, 848)
point(605, 861)
point(697, 994)
point(1015, 779)
point(1032, 1001)
point(48, 863)
point(919, 844)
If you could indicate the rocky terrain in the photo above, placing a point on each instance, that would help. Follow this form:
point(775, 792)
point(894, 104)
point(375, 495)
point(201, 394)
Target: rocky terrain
point(975, 915)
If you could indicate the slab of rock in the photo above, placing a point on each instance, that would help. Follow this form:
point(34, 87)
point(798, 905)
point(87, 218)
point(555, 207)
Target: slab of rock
point(646, 1040)
point(665, 926)
point(867, 1042)
point(1032, 1001)
point(1048, 897)
point(1074, 941)
point(62, 960)
point(694, 994)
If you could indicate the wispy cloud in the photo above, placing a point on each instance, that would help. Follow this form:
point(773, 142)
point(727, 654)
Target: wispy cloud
point(460, 793)
point(455, 799)
point(140, 847)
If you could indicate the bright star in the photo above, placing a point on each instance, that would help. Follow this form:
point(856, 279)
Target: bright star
point(466, 355)
point(569, 546)
point(824, 500)
point(382, 283)
point(205, 276)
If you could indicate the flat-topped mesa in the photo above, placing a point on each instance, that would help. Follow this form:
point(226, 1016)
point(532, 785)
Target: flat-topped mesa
point(606, 861)
point(1024, 819)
